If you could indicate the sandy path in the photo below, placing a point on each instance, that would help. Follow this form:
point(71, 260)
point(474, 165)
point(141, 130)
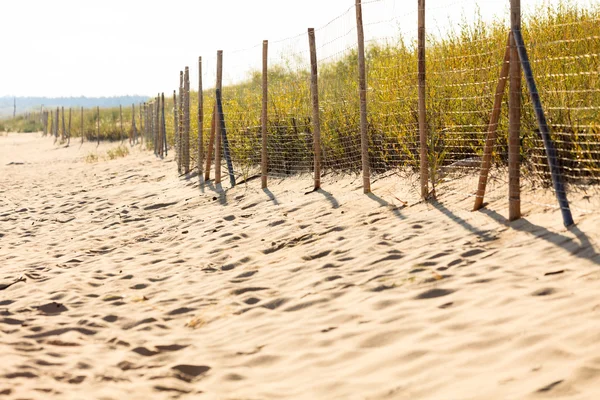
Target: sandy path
point(140, 285)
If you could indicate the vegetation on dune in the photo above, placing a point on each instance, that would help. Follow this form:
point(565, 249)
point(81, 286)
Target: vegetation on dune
point(462, 73)
point(463, 69)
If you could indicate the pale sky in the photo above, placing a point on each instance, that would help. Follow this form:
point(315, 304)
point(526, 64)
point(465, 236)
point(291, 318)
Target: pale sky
point(127, 47)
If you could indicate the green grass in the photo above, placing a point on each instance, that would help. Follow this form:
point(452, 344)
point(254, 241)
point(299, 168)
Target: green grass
point(117, 152)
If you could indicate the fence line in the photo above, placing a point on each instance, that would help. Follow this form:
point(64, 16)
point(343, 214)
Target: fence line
point(381, 107)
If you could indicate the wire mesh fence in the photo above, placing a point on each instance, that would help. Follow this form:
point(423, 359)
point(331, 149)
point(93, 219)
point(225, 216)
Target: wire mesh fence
point(466, 99)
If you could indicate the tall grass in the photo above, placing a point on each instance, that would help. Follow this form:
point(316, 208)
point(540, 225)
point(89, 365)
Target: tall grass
point(462, 72)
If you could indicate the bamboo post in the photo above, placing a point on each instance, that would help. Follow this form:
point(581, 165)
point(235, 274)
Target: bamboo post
point(514, 116)
point(217, 124)
point(82, 134)
point(200, 119)
point(69, 129)
point(314, 89)
point(559, 188)
point(492, 132)
point(211, 143)
point(264, 114)
point(98, 124)
point(424, 163)
point(362, 85)
point(186, 121)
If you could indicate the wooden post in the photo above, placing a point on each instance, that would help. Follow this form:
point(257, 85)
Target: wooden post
point(314, 89)
point(422, 105)
point(63, 134)
point(180, 125)
point(200, 119)
point(157, 132)
point(57, 124)
point(514, 116)
point(121, 121)
point(175, 122)
point(163, 124)
point(217, 124)
point(492, 132)
point(69, 130)
point(82, 134)
point(186, 121)
point(264, 115)
point(133, 128)
point(362, 88)
point(98, 124)
point(211, 144)
point(142, 106)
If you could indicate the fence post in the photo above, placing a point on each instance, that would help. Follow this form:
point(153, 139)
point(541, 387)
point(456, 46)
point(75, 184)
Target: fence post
point(559, 188)
point(362, 88)
point(121, 121)
point(217, 124)
point(200, 119)
point(264, 116)
point(314, 89)
point(492, 133)
point(514, 116)
point(56, 131)
point(186, 121)
point(98, 124)
point(132, 124)
point(157, 136)
point(424, 170)
point(211, 143)
point(82, 134)
point(163, 124)
point(69, 135)
point(141, 107)
point(180, 125)
point(63, 134)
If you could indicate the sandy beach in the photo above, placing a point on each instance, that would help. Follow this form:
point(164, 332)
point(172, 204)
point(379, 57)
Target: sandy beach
point(140, 284)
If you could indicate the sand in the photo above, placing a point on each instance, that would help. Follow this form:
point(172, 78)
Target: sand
point(142, 285)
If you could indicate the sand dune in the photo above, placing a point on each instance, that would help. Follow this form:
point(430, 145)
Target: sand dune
point(140, 284)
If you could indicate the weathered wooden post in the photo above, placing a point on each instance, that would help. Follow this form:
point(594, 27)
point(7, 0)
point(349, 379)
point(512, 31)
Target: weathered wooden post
point(133, 128)
point(486, 161)
point(121, 121)
point(180, 124)
point(200, 119)
point(314, 89)
point(98, 124)
point(219, 85)
point(69, 135)
point(424, 162)
point(264, 115)
point(63, 134)
point(362, 88)
point(186, 121)
point(514, 116)
point(163, 123)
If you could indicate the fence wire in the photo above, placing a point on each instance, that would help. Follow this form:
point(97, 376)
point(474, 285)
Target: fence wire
point(466, 43)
